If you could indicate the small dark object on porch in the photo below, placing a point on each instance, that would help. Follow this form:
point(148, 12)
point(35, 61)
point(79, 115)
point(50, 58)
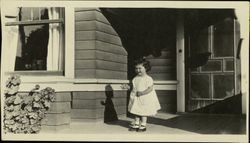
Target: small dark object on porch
point(109, 112)
point(198, 60)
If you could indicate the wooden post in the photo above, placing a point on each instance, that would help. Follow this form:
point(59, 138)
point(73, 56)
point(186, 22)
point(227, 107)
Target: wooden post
point(241, 14)
point(180, 61)
point(69, 42)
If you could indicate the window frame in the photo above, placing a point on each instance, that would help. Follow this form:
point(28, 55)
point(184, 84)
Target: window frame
point(32, 22)
point(68, 22)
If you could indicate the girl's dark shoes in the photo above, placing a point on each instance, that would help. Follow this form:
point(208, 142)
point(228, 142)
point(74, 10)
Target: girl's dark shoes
point(138, 128)
point(142, 128)
point(134, 127)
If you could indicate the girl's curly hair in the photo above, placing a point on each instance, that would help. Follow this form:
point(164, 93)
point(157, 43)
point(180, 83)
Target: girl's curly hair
point(144, 62)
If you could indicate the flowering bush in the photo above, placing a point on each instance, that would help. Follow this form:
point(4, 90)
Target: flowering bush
point(23, 112)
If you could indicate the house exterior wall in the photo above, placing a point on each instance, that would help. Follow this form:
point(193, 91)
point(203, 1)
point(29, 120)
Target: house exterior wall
point(98, 48)
point(98, 55)
point(87, 106)
point(59, 112)
point(163, 68)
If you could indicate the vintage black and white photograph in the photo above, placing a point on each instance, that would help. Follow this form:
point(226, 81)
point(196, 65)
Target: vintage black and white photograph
point(124, 71)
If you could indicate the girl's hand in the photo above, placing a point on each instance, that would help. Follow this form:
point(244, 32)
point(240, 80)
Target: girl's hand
point(125, 86)
point(138, 93)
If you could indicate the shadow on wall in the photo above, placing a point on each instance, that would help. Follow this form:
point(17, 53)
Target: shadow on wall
point(109, 111)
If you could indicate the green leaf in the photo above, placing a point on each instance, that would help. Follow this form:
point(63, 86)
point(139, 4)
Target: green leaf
point(37, 97)
point(36, 128)
point(28, 108)
point(9, 108)
point(32, 121)
point(16, 113)
point(13, 90)
point(28, 99)
point(36, 105)
point(10, 100)
point(47, 104)
point(17, 107)
point(41, 114)
point(18, 100)
point(17, 118)
point(24, 120)
point(8, 115)
point(9, 122)
point(33, 115)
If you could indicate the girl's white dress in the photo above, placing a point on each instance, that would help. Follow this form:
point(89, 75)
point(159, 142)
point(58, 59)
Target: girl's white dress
point(144, 105)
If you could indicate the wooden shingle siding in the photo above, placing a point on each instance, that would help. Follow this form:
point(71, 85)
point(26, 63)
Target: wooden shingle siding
point(97, 95)
point(111, 48)
point(107, 65)
point(59, 112)
point(85, 73)
point(164, 55)
point(162, 62)
point(85, 64)
point(164, 66)
point(97, 113)
point(111, 74)
point(98, 35)
point(88, 104)
point(98, 48)
point(96, 103)
point(168, 100)
point(57, 119)
point(95, 25)
point(89, 15)
point(60, 107)
point(101, 46)
point(164, 76)
point(100, 55)
point(100, 64)
point(162, 69)
point(93, 73)
point(85, 45)
point(63, 97)
point(85, 55)
point(87, 113)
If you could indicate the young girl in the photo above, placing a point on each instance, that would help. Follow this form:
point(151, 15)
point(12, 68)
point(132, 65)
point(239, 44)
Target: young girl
point(143, 99)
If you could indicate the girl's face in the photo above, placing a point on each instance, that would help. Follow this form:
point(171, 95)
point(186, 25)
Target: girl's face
point(140, 70)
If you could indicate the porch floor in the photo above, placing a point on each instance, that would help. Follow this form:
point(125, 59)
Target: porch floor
point(163, 123)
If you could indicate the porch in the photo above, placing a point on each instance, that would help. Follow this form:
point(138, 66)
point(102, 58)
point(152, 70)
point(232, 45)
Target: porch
point(161, 124)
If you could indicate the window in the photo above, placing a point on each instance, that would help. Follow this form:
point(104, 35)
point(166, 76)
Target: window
point(37, 38)
point(223, 37)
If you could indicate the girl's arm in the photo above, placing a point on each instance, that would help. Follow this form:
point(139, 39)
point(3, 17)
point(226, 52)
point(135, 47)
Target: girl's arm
point(147, 91)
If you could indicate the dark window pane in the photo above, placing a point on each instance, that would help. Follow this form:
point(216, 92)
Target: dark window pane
point(29, 13)
point(32, 49)
point(200, 85)
point(224, 39)
point(33, 40)
point(199, 42)
point(229, 65)
point(194, 69)
point(25, 14)
point(212, 66)
point(223, 86)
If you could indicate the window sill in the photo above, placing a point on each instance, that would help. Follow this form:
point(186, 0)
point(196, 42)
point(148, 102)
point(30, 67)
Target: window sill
point(38, 76)
point(36, 73)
